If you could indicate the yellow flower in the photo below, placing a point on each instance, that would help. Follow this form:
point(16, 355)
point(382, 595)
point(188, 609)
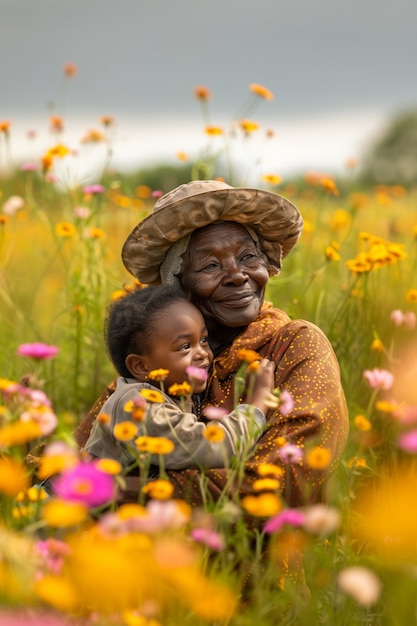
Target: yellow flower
point(318, 457)
point(60, 514)
point(202, 93)
point(214, 433)
point(247, 126)
point(13, 477)
point(271, 179)
point(332, 254)
point(308, 227)
point(261, 91)
point(340, 219)
point(357, 461)
point(159, 374)
point(19, 432)
point(182, 156)
point(329, 185)
point(4, 127)
point(93, 136)
point(107, 120)
point(254, 366)
point(57, 124)
point(159, 489)
point(104, 418)
point(95, 233)
point(65, 229)
point(359, 265)
point(109, 466)
point(155, 445)
point(58, 151)
point(33, 494)
point(118, 295)
point(411, 295)
point(385, 406)
point(213, 130)
point(266, 484)
point(125, 431)
point(55, 463)
point(56, 591)
point(377, 345)
point(180, 389)
point(269, 469)
point(152, 395)
point(264, 505)
point(247, 355)
point(362, 423)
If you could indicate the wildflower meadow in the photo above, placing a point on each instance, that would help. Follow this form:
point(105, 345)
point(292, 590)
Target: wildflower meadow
point(77, 557)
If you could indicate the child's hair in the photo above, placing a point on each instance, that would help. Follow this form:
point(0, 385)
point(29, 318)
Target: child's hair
point(130, 322)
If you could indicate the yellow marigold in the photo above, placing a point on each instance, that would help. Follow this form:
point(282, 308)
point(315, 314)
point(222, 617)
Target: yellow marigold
point(159, 445)
point(125, 431)
point(18, 432)
point(13, 476)
point(4, 127)
point(377, 345)
point(362, 423)
point(159, 374)
point(396, 250)
point(213, 130)
point(214, 433)
point(269, 469)
point(65, 229)
point(202, 93)
point(318, 457)
point(385, 406)
point(261, 91)
point(411, 295)
point(263, 505)
point(331, 254)
point(180, 389)
point(329, 185)
point(152, 395)
point(57, 592)
point(104, 418)
point(359, 265)
point(159, 489)
point(55, 463)
point(266, 484)
point(60, 514)
point(254, 366)
point(271, 179)
point(95, 233)
point(109, 466)
point(248, 126)
point(247, 355)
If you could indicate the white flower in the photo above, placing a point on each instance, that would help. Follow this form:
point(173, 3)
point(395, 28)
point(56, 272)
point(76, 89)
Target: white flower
point(13, 205)
point(321, 520)
point(361, 583)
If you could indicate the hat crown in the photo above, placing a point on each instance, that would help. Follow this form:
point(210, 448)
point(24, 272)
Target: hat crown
point(188, 190)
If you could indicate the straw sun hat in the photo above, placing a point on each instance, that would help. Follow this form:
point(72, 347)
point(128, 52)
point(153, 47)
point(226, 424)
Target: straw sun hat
point(275, 220)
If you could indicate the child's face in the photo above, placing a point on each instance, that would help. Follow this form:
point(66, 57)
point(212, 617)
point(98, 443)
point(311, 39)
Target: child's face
point(180, 340)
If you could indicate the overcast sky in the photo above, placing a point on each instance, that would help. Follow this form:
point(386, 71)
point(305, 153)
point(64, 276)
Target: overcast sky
point(336, 67)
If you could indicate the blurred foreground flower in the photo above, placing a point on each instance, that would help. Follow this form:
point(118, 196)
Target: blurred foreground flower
point(38, 351)
point(85, 484)
point(379, 379)
point(361, 583)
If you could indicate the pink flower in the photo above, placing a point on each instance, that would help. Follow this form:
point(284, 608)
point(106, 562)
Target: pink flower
point(39, 351)
point(196, 374)
point(286, 403)
point(157, 194)
point(53, 553)
point(214, 412)
point(13, 205)
point(408, 441)
point(93, 189)
point(397, 317)
point(82, 212)
point(43, 415)
point(209, 538)
point(29, 167)
point(160, 515)
point(379, 379)
point(291, 453)
point(86, 484)
point(292, 517)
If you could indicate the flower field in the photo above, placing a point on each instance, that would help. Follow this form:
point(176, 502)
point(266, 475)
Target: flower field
point(77, 558)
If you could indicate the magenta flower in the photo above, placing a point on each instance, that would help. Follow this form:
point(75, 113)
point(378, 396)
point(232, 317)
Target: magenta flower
point(408, 441)
point(292, 517)
point(38, 351)
point(291, 453)
point(214, 412)
point(93, 189)
point(209, 538)
point(157, 193)
point(86, 484)
point(286, 403)
point(379, 379)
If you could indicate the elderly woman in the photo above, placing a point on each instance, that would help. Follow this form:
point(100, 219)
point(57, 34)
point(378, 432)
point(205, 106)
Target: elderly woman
point(222, 244)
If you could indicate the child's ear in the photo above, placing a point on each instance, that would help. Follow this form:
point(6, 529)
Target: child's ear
point(137, 366)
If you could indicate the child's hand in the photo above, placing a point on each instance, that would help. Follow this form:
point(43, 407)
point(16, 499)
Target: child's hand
point(263, 384)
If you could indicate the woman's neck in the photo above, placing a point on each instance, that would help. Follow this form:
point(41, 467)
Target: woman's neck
point(222, 337)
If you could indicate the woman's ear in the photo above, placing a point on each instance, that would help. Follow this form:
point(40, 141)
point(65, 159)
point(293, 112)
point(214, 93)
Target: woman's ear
point(137, 366)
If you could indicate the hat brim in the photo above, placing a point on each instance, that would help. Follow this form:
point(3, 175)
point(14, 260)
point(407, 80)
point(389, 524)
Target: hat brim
point(273, 217)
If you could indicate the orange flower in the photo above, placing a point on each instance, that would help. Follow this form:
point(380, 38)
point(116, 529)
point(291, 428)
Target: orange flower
point(318, 458)
point(247, 126)
point(271, 179)
point(202, 93)
point(57, 123)
point(13, 477)
point(158, 489)
point(269, 469)
point(70, 69)
point(4, 127)
point(65, 229)
point(213, 130)
point(261, 91)
point(180, 389)
point(331, 254)
point(152, 395)
point(93, 136)
point(264, 505)
point(182, 156)
point(214, 433)
point(107, 120)
point(159, 374)
point(125, 431)
point(245, 354)
point(330, 186)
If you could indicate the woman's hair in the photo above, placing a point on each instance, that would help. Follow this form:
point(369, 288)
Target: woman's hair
point(130, 322)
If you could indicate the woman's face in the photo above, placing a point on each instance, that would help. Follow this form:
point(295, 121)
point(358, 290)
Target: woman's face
point(224, 274)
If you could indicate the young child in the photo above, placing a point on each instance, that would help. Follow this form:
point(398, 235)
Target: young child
point(158, 328)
